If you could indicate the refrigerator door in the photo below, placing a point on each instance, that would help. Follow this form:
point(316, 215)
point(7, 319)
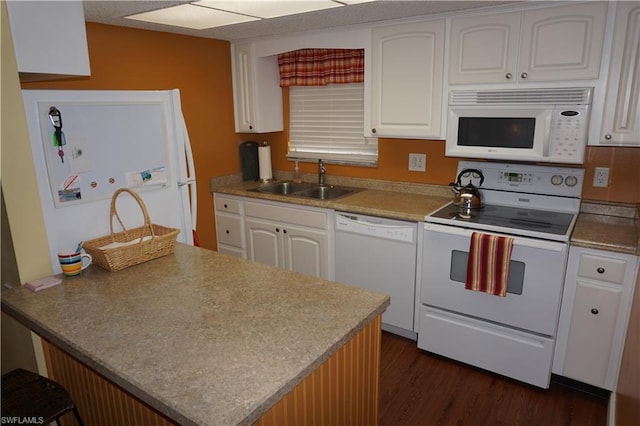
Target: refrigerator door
point(102, 141)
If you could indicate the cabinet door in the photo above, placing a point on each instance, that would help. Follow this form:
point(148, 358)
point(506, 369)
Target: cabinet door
point(593, 322)
point(483, 49)
point(407, 63)
point(562, 43)
point(49, 39)
point(621, 119)
point(264, 242)
point(243, 87)
point(306, 251)
point(257, 95)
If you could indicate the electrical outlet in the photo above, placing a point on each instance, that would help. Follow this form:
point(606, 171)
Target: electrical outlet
point(417, 162)
point(601, 177)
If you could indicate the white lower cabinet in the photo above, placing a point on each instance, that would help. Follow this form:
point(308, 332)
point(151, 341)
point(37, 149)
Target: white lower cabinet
point(230, 224)
point(294, 238)
point(594, 315)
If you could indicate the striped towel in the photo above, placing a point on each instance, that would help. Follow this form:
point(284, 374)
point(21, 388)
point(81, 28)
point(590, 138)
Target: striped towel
point(488, 264)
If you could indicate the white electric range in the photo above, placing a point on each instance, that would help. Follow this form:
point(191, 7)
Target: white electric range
point(514, 335)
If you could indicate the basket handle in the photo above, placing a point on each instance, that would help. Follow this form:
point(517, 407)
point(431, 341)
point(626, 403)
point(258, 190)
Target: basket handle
point(114, 212)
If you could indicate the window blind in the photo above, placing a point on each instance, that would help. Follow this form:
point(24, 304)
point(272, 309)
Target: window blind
point(327, 122)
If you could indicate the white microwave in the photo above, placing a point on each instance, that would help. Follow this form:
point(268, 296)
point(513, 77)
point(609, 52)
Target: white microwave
point(537, 125)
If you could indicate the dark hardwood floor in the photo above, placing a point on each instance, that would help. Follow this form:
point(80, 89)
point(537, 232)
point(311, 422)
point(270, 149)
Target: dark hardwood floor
point(418, 388)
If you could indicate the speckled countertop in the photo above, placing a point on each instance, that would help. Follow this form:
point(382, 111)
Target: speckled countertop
point(605, 226)
point(204, 338)
point(395, 200)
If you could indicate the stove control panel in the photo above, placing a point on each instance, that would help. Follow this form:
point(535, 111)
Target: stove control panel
point(545, 180)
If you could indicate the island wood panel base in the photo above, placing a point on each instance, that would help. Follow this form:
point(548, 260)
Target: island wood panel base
point(343, 390)
point(99, 401)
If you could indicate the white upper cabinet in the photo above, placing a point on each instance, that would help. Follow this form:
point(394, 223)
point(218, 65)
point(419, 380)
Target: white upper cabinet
point(49, 39)
point(257, 95)
point(621, 118)
point(407, 64)
point(546, 44)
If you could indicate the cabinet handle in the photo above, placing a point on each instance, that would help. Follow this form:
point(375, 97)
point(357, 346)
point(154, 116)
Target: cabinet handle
point(373, 130)
point(608, 137)
point(509, 76)
point(524, 75)
point(600, 270)
point(227, 232)
point(594, 311)
point(250, 127)
point(284, 231)
point(277, 229)
point(226, 207)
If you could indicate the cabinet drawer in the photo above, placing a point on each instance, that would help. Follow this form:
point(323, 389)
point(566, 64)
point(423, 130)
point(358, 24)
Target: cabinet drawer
point(229, 230)
point(602, 268)
point(228, 205)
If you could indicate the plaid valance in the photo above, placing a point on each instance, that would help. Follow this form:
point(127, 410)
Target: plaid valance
point(319, 67)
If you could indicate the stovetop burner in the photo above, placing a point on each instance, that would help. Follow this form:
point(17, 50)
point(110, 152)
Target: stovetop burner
point(510, 218)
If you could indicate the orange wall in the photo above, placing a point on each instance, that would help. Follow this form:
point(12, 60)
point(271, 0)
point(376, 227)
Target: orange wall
point(131, 59)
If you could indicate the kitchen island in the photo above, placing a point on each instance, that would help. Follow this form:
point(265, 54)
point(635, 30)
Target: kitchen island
point(203, 338)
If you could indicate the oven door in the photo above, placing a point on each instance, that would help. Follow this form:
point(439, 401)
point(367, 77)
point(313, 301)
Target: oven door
point(536, 276)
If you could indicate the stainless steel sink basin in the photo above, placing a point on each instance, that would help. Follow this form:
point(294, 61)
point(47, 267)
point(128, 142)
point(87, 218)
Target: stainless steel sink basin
point(306, 190)
point(284, 188)
point(326, 192)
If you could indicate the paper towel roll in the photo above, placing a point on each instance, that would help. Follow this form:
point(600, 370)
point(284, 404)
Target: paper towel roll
point(264, 161)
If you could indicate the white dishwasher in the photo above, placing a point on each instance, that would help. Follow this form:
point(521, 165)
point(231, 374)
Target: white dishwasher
point(380, 255)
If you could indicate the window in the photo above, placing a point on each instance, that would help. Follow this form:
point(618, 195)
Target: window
point(327, 122)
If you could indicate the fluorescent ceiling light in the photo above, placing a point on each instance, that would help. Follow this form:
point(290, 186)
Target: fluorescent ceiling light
point(204, 14)
point(188, 16)
point(269, 8)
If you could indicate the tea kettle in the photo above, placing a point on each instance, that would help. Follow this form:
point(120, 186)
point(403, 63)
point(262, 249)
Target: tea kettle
point(468, 196)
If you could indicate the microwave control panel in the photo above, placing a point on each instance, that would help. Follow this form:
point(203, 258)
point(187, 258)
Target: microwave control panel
point(568, 133)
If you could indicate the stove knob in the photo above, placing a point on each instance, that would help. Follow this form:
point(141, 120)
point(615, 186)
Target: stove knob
point(571, 181)
point(556, 180)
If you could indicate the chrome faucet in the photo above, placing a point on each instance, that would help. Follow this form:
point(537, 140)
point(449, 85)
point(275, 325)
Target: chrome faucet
point(321, 172)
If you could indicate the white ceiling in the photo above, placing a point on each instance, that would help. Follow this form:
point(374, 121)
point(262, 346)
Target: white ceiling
point(113, 12)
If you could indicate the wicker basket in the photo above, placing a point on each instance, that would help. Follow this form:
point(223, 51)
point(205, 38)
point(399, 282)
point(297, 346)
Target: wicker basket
point(133, 248)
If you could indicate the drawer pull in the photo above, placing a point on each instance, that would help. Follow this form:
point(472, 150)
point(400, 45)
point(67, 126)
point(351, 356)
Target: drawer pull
point(600, 270)
point(594, 311)
point(508, 76)
point(226, 207)
point(227, 231)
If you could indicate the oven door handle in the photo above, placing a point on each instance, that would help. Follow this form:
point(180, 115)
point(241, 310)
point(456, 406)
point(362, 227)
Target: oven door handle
point(517, 241)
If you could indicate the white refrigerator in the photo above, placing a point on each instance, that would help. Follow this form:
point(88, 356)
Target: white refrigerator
point(87, 143)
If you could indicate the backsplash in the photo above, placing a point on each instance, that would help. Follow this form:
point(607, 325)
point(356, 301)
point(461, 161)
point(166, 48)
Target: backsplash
point(393, 162)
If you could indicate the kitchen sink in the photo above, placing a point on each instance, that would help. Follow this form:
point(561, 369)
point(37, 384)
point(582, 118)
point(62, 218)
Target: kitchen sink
point(284, 188)
point(326, 192)
point(307, 190)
